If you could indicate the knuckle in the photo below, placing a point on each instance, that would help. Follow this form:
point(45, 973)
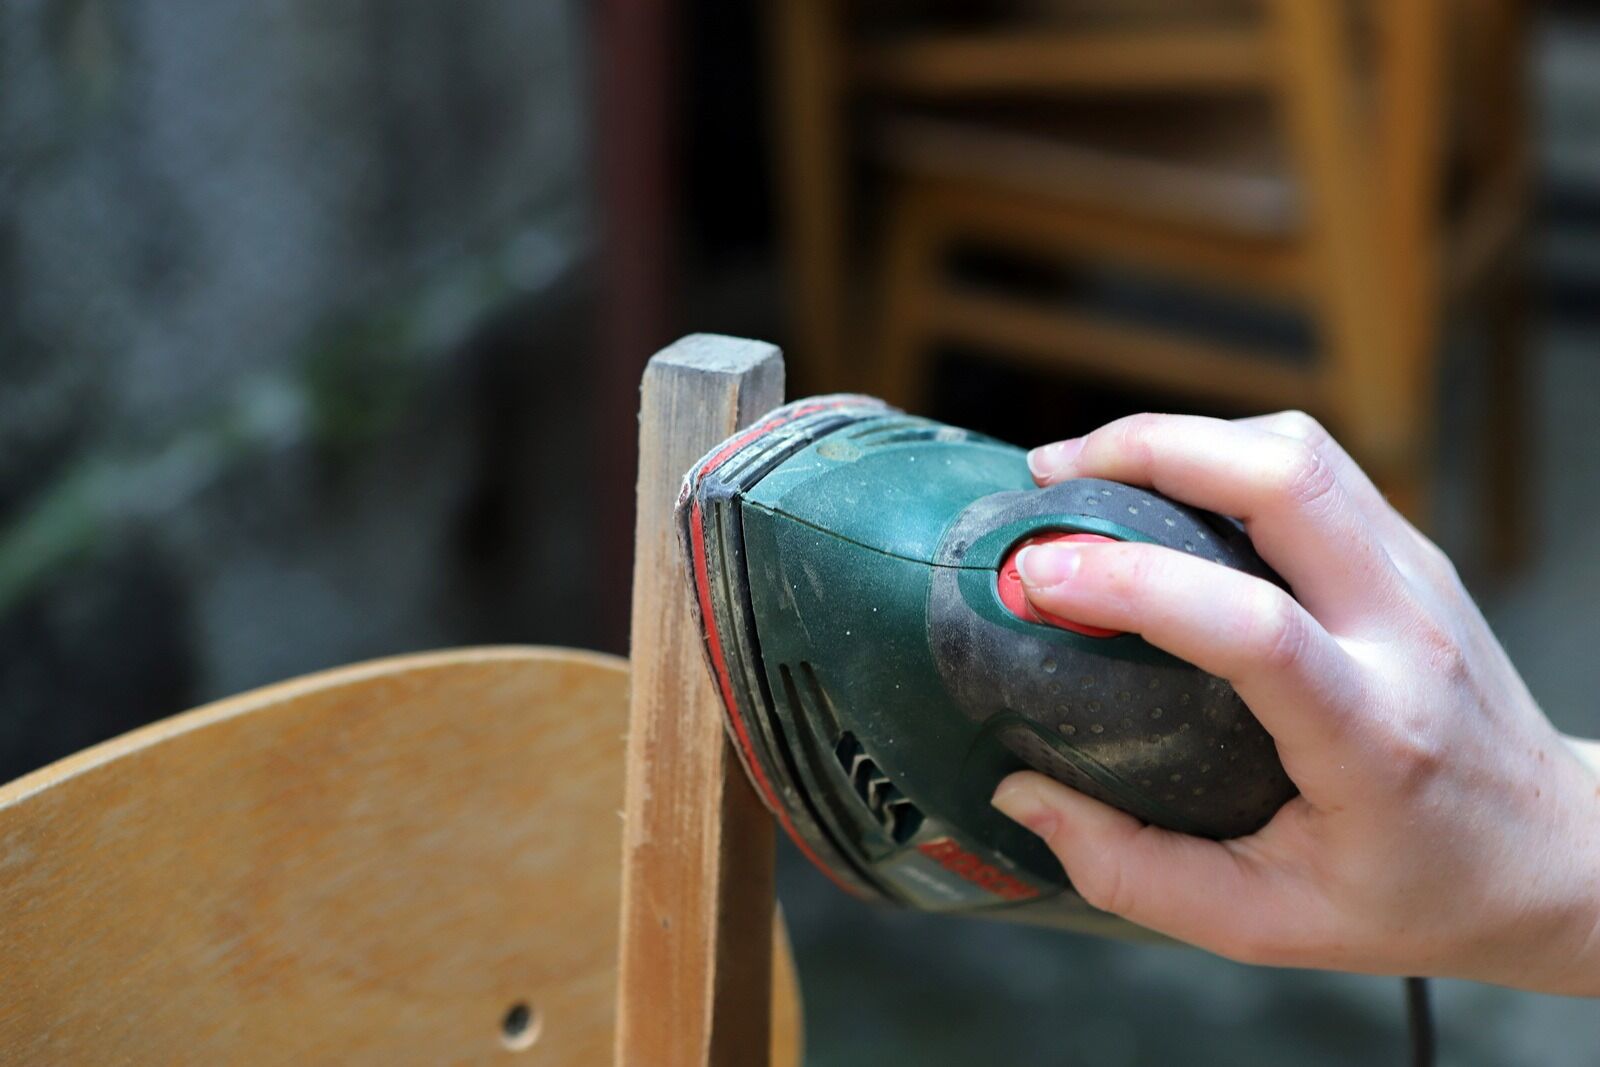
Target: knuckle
point(1435, 560)
point(1135, 436)
point(1304, 476)
point(1278, 633)
point(1414, 754)
point(1298, 424)
point(1440, 650)
point(1412, 743)
point(1142, 424)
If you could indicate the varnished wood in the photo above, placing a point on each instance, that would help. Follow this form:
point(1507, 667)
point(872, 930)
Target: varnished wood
point(918, 307)
point(697, 888)
point(811, 174)
point(1124, 354)
point(1043, 61)
point(787, 1008)
point(1349, 289)
point(911, 263)
point(1208, 172)
point(373, 865)
point(1273, 269)
point(1367, 243)
point(1410, 143)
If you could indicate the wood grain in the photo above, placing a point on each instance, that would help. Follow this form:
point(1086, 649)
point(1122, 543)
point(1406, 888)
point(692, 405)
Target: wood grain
point(373, 865)
point(812, 174)
point(912, 260)
point(1211, 256)
point(697, 858)
point(1198, 59)
point(1349, 293)
point(1104, 349)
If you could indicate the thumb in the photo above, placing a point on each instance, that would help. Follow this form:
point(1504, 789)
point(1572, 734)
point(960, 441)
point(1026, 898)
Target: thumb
point(1200, 891)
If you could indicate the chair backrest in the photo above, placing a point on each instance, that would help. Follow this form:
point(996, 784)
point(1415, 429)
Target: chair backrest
point(1369, 90)
point(415, 860)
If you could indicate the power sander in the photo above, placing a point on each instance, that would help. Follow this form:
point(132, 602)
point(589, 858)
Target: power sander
point(854, 575)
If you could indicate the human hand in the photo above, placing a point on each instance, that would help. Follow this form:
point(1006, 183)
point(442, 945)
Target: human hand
point(1443, 825)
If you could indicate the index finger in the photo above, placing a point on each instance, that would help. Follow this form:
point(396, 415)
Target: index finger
point(1291, 500)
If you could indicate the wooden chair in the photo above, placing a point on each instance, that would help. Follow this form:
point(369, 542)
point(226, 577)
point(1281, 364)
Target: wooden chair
point(1380, 188)
point(416, 860)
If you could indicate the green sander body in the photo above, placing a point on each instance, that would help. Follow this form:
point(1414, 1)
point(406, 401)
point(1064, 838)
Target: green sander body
point(853, 573)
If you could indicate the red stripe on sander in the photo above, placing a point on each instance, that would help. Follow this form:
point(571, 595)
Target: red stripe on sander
point(725, 683)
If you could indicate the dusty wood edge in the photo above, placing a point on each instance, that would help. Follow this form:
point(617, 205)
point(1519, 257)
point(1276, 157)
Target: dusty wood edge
point(694, 956)
point(715, 353)
point(219, 711)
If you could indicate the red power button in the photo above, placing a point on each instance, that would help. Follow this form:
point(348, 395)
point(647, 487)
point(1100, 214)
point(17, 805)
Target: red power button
point(1009, 586)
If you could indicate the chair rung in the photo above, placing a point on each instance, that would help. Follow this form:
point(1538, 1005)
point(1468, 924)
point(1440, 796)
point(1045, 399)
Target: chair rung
point(1122, 353)
point(1273, 268)
point(1222, 59)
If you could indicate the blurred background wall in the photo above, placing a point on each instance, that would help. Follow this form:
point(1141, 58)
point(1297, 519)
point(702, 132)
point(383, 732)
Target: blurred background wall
point(321, 323)
point(290, 345)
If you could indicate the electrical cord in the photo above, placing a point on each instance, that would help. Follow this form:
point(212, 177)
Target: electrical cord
point(1419, 1019)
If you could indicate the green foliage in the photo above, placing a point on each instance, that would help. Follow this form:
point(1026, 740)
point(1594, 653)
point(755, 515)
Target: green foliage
point(359, 379)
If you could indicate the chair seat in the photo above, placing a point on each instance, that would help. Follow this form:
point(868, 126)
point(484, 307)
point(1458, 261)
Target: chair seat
point(1211, 168)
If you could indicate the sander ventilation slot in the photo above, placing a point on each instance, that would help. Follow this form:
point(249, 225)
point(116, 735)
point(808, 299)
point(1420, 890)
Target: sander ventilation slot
point(899, 817)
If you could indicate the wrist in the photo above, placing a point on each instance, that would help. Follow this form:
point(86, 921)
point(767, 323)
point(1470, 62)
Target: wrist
point(1542, 929)
point(1582, 947)
point(1586, 945)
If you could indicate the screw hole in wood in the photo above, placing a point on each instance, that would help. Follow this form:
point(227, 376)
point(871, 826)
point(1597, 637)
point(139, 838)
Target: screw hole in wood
point(520, 1026)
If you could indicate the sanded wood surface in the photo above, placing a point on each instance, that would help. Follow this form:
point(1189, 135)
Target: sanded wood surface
point(697, 861)
point(374, 865)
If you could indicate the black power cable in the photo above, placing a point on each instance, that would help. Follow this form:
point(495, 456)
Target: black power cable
point(1419, 1018)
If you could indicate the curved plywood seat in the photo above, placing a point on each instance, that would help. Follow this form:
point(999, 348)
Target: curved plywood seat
point(415, 860)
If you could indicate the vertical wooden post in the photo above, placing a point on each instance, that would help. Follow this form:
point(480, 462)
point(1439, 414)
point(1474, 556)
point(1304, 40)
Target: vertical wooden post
point(697, 881)
point(806, 45)
point(1364, 375)
point(1412, 50)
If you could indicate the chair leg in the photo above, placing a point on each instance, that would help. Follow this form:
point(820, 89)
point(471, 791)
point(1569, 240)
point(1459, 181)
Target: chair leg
point(1376, 388)
point(1508, 499)
point(814, 203)
point(910, 268)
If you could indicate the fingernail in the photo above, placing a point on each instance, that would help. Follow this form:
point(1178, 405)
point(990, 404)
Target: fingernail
point(1018, 801)
point(1050, 460)
point(1042, 566)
